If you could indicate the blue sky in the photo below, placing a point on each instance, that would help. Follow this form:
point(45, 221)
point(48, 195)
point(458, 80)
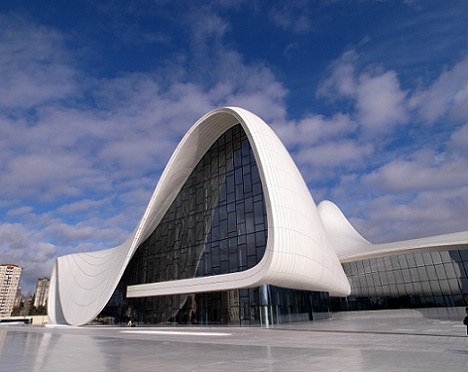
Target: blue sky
point(370, 97)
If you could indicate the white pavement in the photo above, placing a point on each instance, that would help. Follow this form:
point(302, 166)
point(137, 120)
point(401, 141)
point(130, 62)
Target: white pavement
point(364, 341)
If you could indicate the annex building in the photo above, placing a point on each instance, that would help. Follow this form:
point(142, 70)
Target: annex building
point(232, 235)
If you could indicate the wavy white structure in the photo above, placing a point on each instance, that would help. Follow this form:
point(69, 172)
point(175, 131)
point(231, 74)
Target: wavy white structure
point(350, 246)
point(298, 254)
point(305, 248)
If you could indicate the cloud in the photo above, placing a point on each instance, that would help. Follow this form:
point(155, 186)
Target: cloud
point(35, 176)
point(379, 104)
point(342, 79)
point(335, 154)
point(422, 171)
point(27, 248)
point(393, 217)
point(325, 148)
point(315, 129)
point(35, 66)
point(221, 73)
point(66, 235)
point(422, 193)
point(459, 140)
point(448, 95)
point(425, 169)
point(420, 189)
point(20, 211)
point(292, 17)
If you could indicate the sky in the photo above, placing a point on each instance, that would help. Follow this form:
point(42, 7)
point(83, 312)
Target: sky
point(369, 97)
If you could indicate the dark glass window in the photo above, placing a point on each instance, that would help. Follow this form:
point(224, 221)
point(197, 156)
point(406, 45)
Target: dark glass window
point(411, 280)
point(216, 225)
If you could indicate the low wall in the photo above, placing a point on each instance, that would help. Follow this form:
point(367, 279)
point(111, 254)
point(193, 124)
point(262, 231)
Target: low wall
point(36, 320)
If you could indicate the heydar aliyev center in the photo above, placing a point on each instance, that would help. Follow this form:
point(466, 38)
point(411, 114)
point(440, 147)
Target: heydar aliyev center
point(232, 236)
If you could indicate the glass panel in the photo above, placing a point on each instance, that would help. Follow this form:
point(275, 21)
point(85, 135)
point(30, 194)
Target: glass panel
point(401, 289)
point(431, 273)
point(419, 259)
point(455, 255)
point(435, 287)
point(454, 286)
point(464, 255)
point(387, 263)
point(391, 278)
point(367, 268)
point(445, 256)
point(436, 259)
point(406, 276)
point(398, 276)
point(411, 260)
point(440, 272)
point(408, 289)
point(403, 262)
point(394, 262)
point(422, 274)
point(426, 288)
point(451, 270)
point(445, 287)
point(427, 258)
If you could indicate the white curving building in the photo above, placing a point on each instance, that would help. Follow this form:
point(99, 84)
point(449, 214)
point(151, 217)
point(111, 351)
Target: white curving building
point(232, 235)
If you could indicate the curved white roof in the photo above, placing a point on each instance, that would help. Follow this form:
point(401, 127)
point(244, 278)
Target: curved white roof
point(298, 254)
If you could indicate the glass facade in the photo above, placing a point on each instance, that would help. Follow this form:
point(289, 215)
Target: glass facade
point(429, 279)
point(259, 306)
point(216, 225)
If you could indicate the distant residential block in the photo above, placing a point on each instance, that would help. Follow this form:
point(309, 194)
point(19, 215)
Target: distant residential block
point(10, 276)
point(42, 291)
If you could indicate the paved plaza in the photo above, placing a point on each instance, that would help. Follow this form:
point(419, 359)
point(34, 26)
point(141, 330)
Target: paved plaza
point(361, 341)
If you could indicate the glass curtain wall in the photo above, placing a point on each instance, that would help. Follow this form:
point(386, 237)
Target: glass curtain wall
point(429, 279)
point(237, 307)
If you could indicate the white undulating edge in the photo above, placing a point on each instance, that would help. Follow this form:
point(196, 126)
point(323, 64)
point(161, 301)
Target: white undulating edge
point(445, 242)
point(298, 255)
point(350, 246)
